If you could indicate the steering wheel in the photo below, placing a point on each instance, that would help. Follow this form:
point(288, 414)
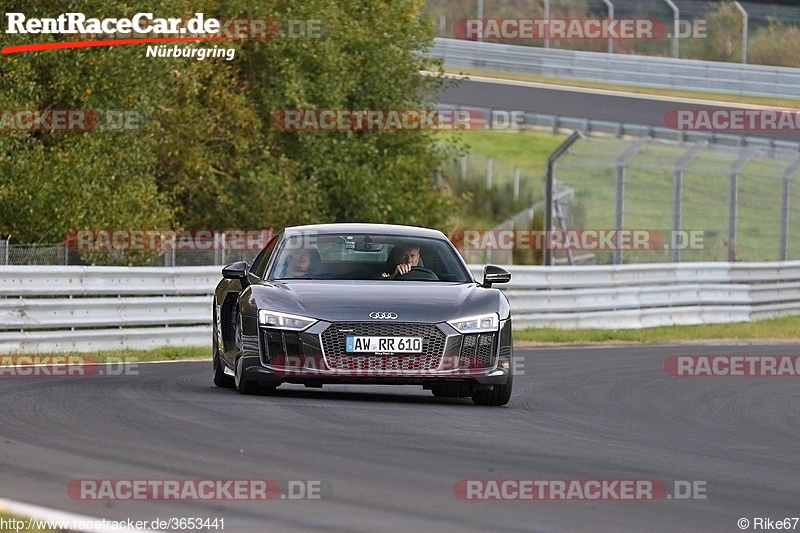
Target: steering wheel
point(419, 273)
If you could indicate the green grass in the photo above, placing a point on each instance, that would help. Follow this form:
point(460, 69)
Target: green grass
point(717, 97)
point(166, 353)
point(783, 328)
point(525, 149)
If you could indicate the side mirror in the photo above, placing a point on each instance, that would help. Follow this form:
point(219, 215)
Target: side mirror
point(495, 274)
point(237, 270)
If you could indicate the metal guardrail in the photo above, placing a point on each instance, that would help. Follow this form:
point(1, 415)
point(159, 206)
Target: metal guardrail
point(687, 74)
point(63, 308)
point(637, 296)
point(118, 307)
point(587, 126)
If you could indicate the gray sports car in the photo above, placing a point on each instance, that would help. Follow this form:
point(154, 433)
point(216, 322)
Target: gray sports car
point(363, 303)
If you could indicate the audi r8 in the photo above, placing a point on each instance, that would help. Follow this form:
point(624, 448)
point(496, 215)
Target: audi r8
point(363, 303)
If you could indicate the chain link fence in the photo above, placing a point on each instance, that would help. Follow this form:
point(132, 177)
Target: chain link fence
point(61, 254)
point(696, 25)
point(697, 201)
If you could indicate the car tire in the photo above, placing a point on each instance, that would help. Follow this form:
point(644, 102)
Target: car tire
point(499, 395)
point(242, 384)
point(220, 378)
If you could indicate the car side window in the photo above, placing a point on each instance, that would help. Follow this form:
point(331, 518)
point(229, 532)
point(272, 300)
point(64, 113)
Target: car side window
point(262, 259)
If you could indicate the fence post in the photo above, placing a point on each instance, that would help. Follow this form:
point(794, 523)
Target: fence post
point(676, 28)
point(619, 200)
point(547, 256)
point(787, 175)
point(480, 17)
point(610, 17)
point(746, 23)
point(733, 202)
point(516, 183)
point(488, 172)
point(677, 191)
point(463, 167)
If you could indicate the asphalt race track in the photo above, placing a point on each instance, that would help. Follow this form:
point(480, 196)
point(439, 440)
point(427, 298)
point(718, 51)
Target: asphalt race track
point(388, 458)
point(578, 103)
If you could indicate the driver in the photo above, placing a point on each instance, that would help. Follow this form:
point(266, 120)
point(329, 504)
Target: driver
point(401, 259)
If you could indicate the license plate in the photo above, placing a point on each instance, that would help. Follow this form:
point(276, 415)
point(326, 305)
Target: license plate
point(357, 344)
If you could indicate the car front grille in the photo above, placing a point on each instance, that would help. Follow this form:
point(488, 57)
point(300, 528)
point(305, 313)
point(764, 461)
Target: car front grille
point(334, 339)
point(477, 351)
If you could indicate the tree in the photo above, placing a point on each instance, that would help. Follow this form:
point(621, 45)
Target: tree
point(205, 153)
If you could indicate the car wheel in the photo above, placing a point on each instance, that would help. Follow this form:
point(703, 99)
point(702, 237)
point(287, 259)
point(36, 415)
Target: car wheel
point(244, 385)
point(220, 378)
point(499, 395)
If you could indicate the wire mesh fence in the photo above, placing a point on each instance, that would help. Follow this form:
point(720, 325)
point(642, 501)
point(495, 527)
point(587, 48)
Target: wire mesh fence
point(697, 26)
point(61, 254)
point(692, 201)
point(697, 202)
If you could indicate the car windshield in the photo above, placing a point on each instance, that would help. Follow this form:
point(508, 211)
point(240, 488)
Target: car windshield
point(368, 257)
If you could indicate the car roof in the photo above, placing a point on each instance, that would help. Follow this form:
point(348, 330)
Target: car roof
point(375, 229)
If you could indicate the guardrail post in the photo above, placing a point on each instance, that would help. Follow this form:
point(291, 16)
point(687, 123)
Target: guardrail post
point(787, 175)
point(548, 194)
point(677, 192)
point(733, 202)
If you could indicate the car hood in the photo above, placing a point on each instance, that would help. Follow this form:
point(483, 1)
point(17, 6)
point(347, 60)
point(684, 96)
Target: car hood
point(354, 301)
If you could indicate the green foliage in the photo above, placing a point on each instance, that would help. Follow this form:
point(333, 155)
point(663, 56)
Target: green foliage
point(723, 41)
point(777, 44)
point(207, 156)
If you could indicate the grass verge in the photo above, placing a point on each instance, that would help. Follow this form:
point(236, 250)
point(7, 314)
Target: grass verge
point(166, 353)
point(783, 328)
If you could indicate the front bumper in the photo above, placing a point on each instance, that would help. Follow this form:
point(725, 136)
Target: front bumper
point(277, 356)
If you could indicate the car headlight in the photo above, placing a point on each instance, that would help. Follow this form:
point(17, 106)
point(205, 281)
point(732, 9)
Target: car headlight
point(284, 320)
point(476, 324)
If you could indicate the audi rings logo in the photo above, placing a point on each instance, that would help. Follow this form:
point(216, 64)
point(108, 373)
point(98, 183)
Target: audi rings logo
point(383, 316)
